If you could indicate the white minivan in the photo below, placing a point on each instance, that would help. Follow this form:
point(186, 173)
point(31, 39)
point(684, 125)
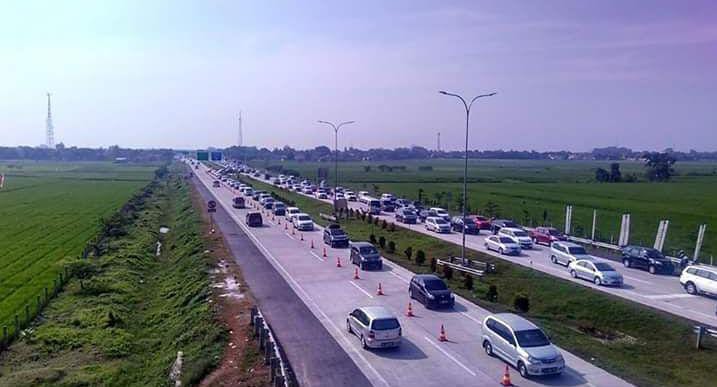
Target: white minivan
point(699, 280)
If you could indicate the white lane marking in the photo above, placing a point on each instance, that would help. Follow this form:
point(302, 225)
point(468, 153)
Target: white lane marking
point(289, 235)
point(361, 289)
point(636, 279)
point(317, 256)
point(399, 277)
point(472, 318)
point(448, 355)
point(668, 296)
point(302, 293)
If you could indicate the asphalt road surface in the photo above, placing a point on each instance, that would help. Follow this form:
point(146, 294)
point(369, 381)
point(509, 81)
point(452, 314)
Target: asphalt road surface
point(330, 292)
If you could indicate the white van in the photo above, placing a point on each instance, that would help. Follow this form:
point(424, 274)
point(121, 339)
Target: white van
point(698, 279)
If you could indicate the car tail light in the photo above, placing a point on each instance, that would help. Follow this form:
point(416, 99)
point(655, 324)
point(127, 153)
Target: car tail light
point(371, 334)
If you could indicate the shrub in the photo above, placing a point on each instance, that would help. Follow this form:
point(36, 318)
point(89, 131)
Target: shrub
point(492, 294)
point(433, 265)
point(468, 281)
point(408, 252)
point(372, 238)
point(420, 257)
point(391, 246)
point(375, 220)
point(447, 272)
point(392, 227)
point(384, 224)
point(521, 303)
point(382, 241)
point(369, 219)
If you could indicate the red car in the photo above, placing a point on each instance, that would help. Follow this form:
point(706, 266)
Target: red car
point(482, 222)
point(547, 235)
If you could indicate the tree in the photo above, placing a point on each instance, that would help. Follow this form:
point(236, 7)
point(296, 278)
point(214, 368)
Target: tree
point(408, 252)
point(382, 241)
point(420, 257)
point(659, 166)
point(615, 175)
point(602, 176)
point(491, 209)
point(391, 247)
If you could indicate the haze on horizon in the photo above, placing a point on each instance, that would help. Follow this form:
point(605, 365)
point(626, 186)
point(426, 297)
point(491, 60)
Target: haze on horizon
point(570, 74)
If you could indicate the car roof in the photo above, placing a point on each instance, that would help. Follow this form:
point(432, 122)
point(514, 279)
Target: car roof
point(377, 312)
point(514, 321)
point(702, 267)
point(303, 213)
point(511, 229)
point(362, 244)
point(427, 277)
point(566, 244)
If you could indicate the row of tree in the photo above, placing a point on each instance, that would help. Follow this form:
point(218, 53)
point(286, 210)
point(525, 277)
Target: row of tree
point(659, 167)
point(63, 153)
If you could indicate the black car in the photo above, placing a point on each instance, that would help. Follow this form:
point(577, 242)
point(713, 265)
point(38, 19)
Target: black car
point(366, 256)
point(216, 184)
point(334, 236)
point(253, 219)
point(431, 291)
point(279, 209)
point(646, 258)
point(238, 202)
point(387, 205)
point(497, 224)
point(457, 225)
point(406, 215)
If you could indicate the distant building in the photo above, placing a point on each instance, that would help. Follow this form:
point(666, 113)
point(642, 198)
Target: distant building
point(121, 160)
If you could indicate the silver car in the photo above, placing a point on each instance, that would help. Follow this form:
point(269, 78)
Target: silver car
point(566, 252)
point(502, 244)
point(437, 224)
point(375, 326)
point(600, 273)
point(522, 344)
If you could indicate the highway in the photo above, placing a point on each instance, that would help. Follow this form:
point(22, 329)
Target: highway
point(330, 292)
point(662, 292)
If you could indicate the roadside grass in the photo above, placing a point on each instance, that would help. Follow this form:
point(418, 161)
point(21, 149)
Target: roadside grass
point(48, 212)
point(535, 192)
point(644, 346)
point(123, 318)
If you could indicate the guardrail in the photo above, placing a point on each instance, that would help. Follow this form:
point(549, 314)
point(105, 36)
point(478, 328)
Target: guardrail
point(585, 241)
point(470, 266)
point(701, 331)
point(281, 373)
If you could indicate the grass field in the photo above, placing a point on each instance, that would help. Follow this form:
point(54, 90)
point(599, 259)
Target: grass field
point(536, 192)
point(644, 346)
point(47, 213)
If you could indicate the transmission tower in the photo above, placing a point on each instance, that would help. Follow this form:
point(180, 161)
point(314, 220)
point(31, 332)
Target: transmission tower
point(50, 128)
point(438, 142)
point(241, 135)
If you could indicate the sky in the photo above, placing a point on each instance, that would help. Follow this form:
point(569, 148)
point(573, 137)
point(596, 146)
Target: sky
point(568, 74)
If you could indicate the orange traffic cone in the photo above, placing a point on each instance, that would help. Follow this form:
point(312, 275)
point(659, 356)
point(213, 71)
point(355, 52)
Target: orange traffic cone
point(506, 378)
point(279, 222)
point(312, 243)
point(293, 231)
point(302, 236)
point(379, 292)
point(286, 227)
point(356, 276)
point(338, 261)
point(324, 252)
point(442, 336)
point(409, 311)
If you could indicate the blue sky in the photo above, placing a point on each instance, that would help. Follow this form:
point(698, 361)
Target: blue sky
point(570, 74)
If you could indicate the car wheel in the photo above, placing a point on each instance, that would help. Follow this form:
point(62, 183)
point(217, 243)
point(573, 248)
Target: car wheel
point(652, 269)
point(523, 370)
point(488, 348)
point(363, 343)
point(691, 288)
point(597, 281)
point(573, 274)
point(626, 263)
point(500, 250)
point(554, 259)
point(348, 327)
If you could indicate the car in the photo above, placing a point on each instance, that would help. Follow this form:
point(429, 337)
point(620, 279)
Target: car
point(431, 291)
point(521, 344)
point(238, 202)
point(253, 219)
point(698, 279)
point(375, 326)
point(406, 215)
point(646, 258)
point(365, 256)
point(268, 203)
point(334, 236)
point(364, 197)
point(459, 225)
point(519, 235)
point(255, 195)
point(340, 195)
point(374, 206)
point(547, 235)
point(437, 224)
point(263, 197)
point(303, 222)
point(350, 196)
point(291, 212)
point(564, 253)
point(387, 205)
point(439, 212)
point(279, 208)
point(248, 191)
point(402, 203)
point(502, 244)
point(600, 273)
point(216, 184)
point(497, 224)
point(307, 191)
point(321, 195)
point(482, 222)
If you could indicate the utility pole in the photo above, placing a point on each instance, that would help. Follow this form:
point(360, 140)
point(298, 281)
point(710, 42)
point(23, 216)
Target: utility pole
point(241, 135)
point(438, 142)
point(50, 129)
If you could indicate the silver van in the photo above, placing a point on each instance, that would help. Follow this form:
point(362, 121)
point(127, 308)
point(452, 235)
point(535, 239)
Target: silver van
point(521, 344)
point(375, 326)
point(565, 252)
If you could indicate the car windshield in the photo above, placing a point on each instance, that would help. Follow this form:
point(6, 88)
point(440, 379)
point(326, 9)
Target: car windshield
point(553, 232)
point(520, 233)
point(278, 205)
point(601, 266)
point(652, 253)
point(440, 221)
point(304, 217)
point(506, 240)
point(336, 231)
point(435, 284)
point(254, 216)
point(409, 213)
point(577, 250)
point(366, 250)
point(531, 338)
point(385, 324)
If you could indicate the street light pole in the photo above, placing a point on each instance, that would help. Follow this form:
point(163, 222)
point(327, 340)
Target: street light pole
point(467, 106)
point(336, 150)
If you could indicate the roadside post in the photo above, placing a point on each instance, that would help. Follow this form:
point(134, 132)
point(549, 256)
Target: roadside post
point(211, 208)
point(661, 234)
point(568, 219)
point(594, 224)
point(698, 245)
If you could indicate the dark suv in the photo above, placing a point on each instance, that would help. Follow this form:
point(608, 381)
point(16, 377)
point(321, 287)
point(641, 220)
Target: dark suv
point(406, 215)
point(497, 224)
point(431, 291)
point(253, 219)
point(334, 236)
point(457, 224)
point(366, 256)
point(646, 258)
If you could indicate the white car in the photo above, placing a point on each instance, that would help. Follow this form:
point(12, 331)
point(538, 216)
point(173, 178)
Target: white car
point(502, 244)
point(307, 190)
point(303, 222)
point(387, 196)
point(439, 212)
point(364, 197)
point(291, 212)
point(519, 236)
point(321, 195)
point(699, 280)
point(438, 225)
point(351, 196)
point(566, 252)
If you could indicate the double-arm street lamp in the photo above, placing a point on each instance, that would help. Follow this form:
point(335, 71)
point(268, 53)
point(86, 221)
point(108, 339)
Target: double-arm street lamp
point(465, 169)
point(336, 150)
